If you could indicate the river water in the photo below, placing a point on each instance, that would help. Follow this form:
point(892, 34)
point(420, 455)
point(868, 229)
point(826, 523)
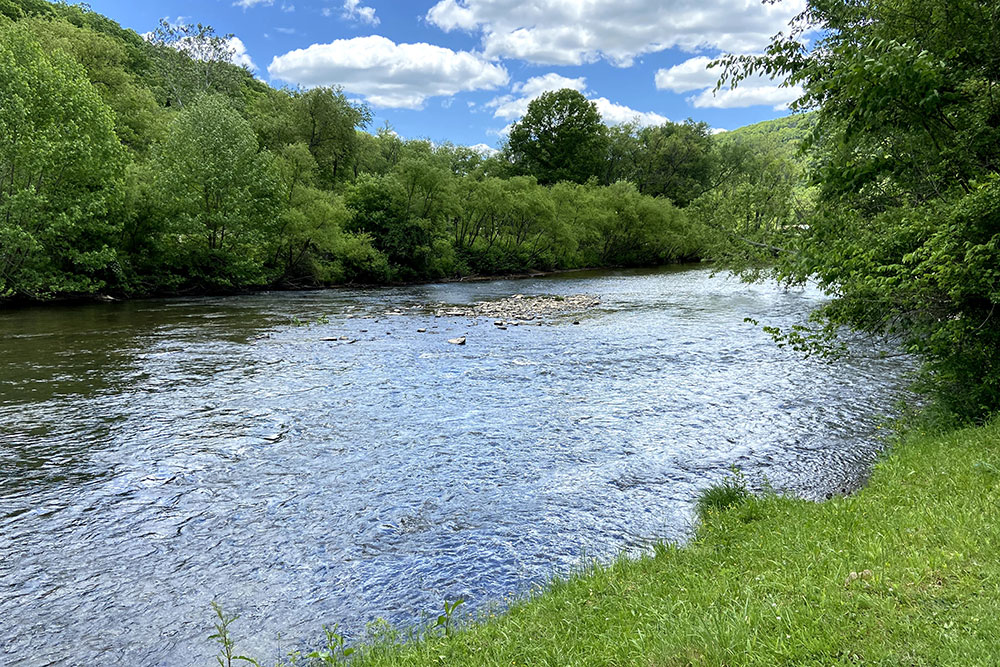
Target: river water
point(158, 455)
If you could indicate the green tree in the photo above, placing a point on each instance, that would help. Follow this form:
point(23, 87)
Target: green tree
point(221, 194)
point(560, 138)
point(60, 171)
point(108, 65)
point(907, 143)
point(311, 245)
point(193, 60)
point(328, 123)
point(674, 161)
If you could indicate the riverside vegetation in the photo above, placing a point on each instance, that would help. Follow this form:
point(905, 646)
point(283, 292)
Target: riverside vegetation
point(144, 166)
point(892, 208)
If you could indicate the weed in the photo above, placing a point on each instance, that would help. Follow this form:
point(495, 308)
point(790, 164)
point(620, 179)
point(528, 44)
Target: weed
point(227, 645)
point(446, 620)
point(730, 492)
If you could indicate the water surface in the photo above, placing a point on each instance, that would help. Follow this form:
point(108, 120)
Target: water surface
point(158, 455)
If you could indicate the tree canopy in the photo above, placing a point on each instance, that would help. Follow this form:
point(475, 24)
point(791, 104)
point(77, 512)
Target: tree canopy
point(906, 149)
point(560, 138)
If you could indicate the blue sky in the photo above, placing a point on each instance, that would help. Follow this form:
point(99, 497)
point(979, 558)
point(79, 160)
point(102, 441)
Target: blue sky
point(464, 70)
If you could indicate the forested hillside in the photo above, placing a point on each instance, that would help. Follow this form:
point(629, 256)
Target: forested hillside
point(140, 166)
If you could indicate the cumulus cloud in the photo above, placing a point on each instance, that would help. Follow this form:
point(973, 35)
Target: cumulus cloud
point(239, 54)
point(573, 32)
point(387, 74)
point(748, 94)
point(484, 149)
point(618, 114)
point(515, 104)
point(694, 74)
point(247, 4)
point(353, 9)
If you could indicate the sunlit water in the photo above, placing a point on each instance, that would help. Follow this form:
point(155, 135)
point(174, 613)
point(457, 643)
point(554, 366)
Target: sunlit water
point(158, 455)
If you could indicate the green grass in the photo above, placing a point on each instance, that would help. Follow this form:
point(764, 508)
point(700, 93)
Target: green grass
point(905, 572)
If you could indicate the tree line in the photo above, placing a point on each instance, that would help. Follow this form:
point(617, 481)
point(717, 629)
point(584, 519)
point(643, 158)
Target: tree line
point(153, 165)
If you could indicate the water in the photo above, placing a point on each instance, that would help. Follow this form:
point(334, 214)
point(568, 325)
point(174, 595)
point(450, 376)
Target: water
point(158, 455)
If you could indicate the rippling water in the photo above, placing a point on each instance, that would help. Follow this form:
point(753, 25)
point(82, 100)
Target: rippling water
point(158, 455)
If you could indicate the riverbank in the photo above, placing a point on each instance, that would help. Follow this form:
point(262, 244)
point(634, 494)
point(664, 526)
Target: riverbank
point(906, 571)
point(16, 301)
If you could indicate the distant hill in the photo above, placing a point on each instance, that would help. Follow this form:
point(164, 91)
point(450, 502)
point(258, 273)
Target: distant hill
point(785, 134)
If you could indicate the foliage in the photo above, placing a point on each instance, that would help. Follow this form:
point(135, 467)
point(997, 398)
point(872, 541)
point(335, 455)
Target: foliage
point(202, 178)
point(560, 138)
point(224, 637)
point(220, 194)
point(61, 164)
point(730, 492)
point(108, 64)
point(906, 149)
point(192, 60)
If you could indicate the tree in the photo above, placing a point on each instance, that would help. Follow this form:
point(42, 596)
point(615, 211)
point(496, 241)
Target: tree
point(674, 161)
point(192, 60)
point(221, 193)
point(560, 138)
point(327, 123)
point(107, 62)
point(907, 142)
point(60, 171)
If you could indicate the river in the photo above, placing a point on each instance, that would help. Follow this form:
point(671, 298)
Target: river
point(158, 455)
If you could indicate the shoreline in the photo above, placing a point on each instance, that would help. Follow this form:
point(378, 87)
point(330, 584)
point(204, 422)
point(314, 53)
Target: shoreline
point(20, 303)
point(901, 572)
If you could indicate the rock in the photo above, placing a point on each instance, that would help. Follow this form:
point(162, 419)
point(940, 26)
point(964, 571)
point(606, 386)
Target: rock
point(520, 308)
point(421, 330)
point(577, 322)
point(502, 328)
point(330, 339)
point(457, 341)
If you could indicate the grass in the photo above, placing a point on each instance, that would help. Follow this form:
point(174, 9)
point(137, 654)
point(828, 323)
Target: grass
point(905, 572)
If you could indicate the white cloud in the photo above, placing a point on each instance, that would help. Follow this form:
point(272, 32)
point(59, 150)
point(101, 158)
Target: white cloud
point(618, 114)
point(387, 74)
point(748, 94)
point(484, 150)
point(247, 4)
point(514, 105)
point(694, 74)
point(353, 9)
point(239, 55)
point(573, 32)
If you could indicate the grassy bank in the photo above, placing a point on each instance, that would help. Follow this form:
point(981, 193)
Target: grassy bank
point(906, 572)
